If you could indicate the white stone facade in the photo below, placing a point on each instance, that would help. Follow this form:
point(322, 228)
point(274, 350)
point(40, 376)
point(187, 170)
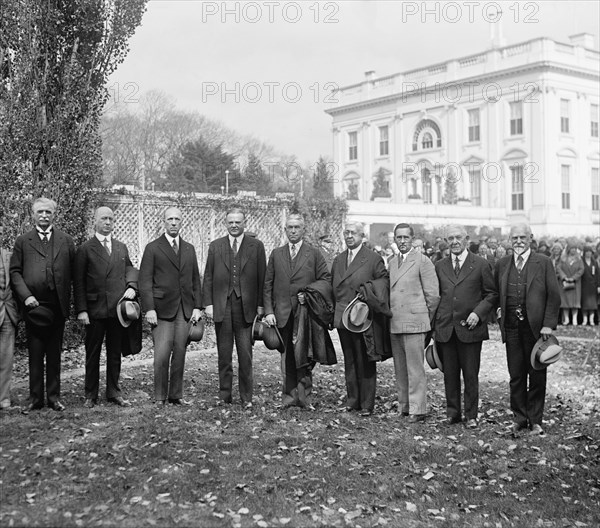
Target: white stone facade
point(516, 129)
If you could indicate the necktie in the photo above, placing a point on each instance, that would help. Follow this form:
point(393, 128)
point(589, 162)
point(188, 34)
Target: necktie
point(235, 246)
point(349, 259)
point(293, 252)
point(456, 267)
point(175, 248)
point(106, 245)
point(519, 263)
point(44, 237)
point(400, 259)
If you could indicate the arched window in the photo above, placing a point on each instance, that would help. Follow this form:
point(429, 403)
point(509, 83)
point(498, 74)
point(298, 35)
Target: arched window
point(427, 127)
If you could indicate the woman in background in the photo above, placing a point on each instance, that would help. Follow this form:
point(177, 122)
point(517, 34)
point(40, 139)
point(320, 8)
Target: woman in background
point(570, 270)
point(590, 281)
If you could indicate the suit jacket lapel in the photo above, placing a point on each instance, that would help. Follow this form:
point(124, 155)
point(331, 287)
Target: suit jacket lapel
point(98, 248)
point(6, 262)
point(466, 268)
point(223, 249)
point(284, 259)
point(59, 240)
point(166, 248)
point(532, 268)
point(449, 270)
point(244, 253)
point(35, 242)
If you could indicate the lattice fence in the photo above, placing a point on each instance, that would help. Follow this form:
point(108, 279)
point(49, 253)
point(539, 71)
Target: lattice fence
point(139, 219)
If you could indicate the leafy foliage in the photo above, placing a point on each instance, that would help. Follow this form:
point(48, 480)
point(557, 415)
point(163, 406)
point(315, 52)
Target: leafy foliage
point(55, 58)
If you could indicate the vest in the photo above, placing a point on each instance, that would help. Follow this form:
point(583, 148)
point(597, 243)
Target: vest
point(515, 293)
point(234, 275)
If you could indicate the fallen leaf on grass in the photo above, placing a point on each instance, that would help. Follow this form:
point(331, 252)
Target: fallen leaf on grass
point(411, 507)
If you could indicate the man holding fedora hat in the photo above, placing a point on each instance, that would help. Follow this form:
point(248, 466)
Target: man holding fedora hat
point(234, 279)
point(171, 294)
point(528, 312)
point(351, 270)
point(414, 298)
point(40, 273)
point(104, 277)
point(468, 294)
point(291, 268)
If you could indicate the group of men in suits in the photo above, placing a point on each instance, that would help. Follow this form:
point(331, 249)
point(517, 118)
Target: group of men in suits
point(449, 303)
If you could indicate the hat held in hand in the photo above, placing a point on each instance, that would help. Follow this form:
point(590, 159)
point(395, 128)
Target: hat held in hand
point(432, 357)
point(195, 330)
point(41, 316)
point(269, 335)
point(545, 353)
point(357, 316)
point(128, 311)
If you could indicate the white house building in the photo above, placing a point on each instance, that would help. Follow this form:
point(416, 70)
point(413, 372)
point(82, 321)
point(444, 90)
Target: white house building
point(505, 135)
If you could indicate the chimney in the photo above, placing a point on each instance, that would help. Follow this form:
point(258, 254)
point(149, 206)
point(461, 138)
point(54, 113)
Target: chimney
point(370, 75)
point(585, 40)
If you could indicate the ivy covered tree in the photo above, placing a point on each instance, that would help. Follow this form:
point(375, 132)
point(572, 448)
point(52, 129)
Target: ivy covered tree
point(55, 60)
point(254, 177)
point(450, 190)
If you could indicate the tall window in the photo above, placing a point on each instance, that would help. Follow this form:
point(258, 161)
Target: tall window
point(475, 177)
point(565, 186)
point(474, 125)
point(594, 120)
point(352, 145)
point(427, 141)
point(426, 183)
point(595, 189)
point(564, 116)
point(438, 185)
point(517, 201)
point(384, 145)
point(516, 118)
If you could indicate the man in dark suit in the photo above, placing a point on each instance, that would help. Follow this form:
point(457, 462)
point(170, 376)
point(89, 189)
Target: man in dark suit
point(529, 308)
point(290, 268)
point(350, 270)
point(468, 294)
point(40, 273)
point(102, 267)
point(9, 317)
point(234, 279)
point(171, 294)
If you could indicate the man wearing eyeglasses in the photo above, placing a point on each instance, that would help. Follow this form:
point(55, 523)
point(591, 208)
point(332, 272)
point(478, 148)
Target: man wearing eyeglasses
point(529, 309)
point(467, 295)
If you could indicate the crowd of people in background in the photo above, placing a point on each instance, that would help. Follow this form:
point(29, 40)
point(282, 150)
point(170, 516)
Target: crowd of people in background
point(576, 262)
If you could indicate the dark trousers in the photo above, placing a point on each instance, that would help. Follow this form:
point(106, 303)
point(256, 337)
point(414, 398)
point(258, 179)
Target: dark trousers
point(234, 326)
point(170, 342)
point(461, 357)
point(297, 381)
point(94, 336)
point(526, 402)
point(361, 374)
point(45, 344)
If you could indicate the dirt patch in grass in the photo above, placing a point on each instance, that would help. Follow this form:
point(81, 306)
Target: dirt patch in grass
point(212, 465)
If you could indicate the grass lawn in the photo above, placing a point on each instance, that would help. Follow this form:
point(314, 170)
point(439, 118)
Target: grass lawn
point(210, 465)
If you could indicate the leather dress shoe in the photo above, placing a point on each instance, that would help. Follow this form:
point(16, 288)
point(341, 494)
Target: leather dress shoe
point(350, 409)
point(247, 405)
point(537, 430)
point(472, 423)
point(159, 403)
point(56, 406)
point(179, 401)
point(120, 401)
point(32, 407)
point(414, 418)
point(451, 420)
point(516, 428)
point(366, 412)
point(89, 403)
